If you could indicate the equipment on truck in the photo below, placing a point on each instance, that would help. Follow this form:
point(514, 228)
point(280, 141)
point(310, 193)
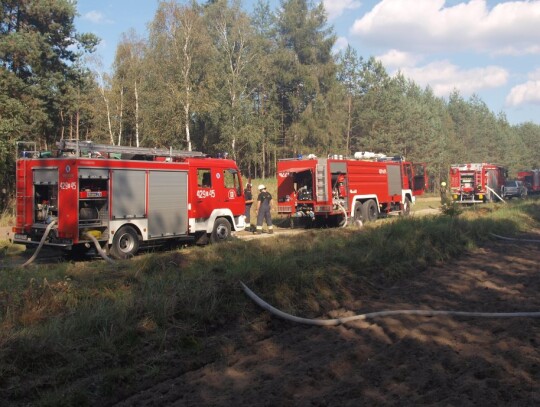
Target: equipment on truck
point(476, 183)
point(531, 179)
point(125, 197)
point(330, 190)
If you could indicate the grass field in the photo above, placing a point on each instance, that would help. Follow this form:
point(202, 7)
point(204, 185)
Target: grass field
point(71, 333)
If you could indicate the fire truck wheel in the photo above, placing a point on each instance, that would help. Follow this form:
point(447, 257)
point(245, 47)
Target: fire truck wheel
point(358, 215)
point(125, 243)
point(221, 232)
point(370, 210)
point(407, 207)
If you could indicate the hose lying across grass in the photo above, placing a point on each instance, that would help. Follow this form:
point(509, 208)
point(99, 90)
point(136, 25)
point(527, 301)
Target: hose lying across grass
point(513, 239)
point(370, 315)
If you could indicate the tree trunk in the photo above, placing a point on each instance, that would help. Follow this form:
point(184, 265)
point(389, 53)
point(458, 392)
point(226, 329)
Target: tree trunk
point(263, 170)
point(106, 100)
point(77, 119)
point(63, 128)
point(136, 115)
point(349, 119)
point(121, 114)
point(186, 118)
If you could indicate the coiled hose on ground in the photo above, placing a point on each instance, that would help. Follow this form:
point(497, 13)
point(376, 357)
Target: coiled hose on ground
point(361, 317)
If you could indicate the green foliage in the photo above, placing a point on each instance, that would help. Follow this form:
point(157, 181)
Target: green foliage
point(42, 85)
point(212, 78)
point(451, 208)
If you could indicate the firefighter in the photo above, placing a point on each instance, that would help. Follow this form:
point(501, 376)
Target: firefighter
point(443, 193)
point(264, 204)
point(248, 195)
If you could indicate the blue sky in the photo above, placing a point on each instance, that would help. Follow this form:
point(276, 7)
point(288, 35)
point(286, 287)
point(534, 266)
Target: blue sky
point(486, 47)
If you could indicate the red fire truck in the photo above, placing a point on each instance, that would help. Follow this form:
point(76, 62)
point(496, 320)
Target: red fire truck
point(476, 183)
point(125, 197)
point(531, 179)
point(327, 190)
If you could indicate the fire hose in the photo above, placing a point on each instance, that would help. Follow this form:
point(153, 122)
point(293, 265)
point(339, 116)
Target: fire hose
point(362, 317)
point(41, 243)
point(513, 239)
point(50, 226)
point(48, 229)
point(498, 196)
point(100, 250)
point(344, 212)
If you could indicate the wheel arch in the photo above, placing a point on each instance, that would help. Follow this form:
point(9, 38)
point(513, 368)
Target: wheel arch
point(139, 225)
point(360, 199)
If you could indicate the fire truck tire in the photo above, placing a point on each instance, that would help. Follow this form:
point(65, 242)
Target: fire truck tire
point(358, 213)
point(370, 211)
point(221, 232)
point(407, 207)
point(125, 243)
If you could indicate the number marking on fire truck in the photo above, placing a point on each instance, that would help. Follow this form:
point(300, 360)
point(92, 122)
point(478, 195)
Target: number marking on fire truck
point(201, 193)
point(68, 185)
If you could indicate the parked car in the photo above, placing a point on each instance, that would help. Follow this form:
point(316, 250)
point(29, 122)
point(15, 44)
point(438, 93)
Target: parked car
point(514, 189)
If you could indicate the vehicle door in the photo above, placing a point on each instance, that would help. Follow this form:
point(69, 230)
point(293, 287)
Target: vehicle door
point(204, 193)
point(419, 179)
point(232, 195)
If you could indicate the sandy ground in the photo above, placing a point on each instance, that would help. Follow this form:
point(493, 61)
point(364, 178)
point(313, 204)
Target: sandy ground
point(396, 361)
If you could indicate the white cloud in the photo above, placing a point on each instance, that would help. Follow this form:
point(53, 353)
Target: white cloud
point(96, 17)
point(535, 75)
point(341, 44)
point(399, 59)
point(335, 8)
point(526, 93)
point(444, 77)
point(428, 25)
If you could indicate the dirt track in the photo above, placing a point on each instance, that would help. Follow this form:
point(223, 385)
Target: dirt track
point(400, 361)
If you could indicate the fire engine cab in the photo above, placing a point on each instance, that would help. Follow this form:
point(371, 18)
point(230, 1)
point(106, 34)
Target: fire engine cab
point(125, 197)
point(476, 183)
point(330, 190)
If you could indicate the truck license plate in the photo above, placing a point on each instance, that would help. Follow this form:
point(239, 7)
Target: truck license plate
point(20, 236)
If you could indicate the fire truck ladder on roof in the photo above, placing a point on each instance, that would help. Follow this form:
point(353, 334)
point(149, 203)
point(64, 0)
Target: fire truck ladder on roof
point(80, 147)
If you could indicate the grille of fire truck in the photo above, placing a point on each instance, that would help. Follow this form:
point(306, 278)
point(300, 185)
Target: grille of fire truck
point(88, 147)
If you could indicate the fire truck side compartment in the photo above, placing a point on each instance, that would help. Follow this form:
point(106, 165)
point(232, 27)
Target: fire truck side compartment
point(394, 179)
point(320, 186)
point(167, 203)
point(93, 173)
point(129, 200)
point(45, 176)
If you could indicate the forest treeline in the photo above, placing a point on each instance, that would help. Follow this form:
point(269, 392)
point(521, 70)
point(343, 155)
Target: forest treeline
point(208, 76)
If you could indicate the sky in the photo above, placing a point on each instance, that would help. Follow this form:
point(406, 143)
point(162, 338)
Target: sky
point(489, 48)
